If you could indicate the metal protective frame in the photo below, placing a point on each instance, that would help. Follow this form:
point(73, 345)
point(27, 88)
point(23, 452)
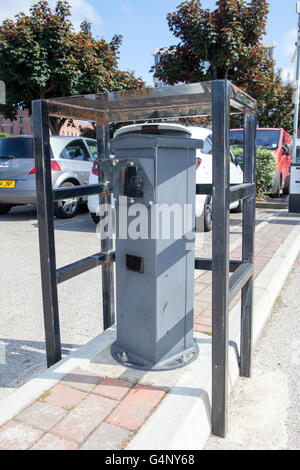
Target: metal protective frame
point(218, 98)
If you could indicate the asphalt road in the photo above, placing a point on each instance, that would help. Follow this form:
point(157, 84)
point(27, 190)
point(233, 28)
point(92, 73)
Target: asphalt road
point(22, 328)
point(22, 347)
point(264, 411)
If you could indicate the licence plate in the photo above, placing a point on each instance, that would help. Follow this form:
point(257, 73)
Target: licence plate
point(7, 184)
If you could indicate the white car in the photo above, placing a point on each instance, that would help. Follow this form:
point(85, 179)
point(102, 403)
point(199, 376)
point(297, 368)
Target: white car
point(203, 169)
point(71, 162)
point(204, 176)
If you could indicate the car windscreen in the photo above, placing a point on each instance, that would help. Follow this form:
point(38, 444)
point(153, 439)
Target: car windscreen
point(268, 138)
point(17, 148)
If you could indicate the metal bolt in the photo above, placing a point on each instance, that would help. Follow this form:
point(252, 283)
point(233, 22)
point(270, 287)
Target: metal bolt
point(123, 357)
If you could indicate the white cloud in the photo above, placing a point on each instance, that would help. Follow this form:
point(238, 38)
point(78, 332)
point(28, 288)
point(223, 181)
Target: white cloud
point(80, 9)
point(289, 41)
point(10, 9)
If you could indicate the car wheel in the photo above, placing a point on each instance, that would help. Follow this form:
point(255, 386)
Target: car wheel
point(238, 209)
point(95, 218)
point(208, 214)
point(4, 208)
point(67, 208)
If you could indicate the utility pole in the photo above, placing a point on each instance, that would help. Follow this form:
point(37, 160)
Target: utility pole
point(297, 93)
point(294, 199)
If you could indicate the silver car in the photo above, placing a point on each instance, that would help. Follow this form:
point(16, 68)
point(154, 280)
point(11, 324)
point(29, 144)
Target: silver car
point(71, 162)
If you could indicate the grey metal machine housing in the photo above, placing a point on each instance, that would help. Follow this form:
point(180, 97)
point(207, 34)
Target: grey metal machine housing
point(154, 176)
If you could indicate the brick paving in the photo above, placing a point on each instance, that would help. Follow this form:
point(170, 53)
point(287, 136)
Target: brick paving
point(268, 240)
point(80, 381)
point(84, 419)
point(108, 437)
point(18, 436)
point(104, 416)
point(42, 416)
point(136, 406)
point(64, 396)
point(87, 411)
point(113, 388)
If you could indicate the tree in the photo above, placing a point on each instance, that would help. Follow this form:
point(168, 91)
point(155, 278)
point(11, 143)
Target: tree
point(41, 56)
point(226, 44)
point(266, 166)
point(276, 106)
point(89, 132)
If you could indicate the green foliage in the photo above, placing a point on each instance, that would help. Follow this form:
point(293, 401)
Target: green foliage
point(265, 168)
point(41, 56)
point(88, 132)
point(229, 40)
point(276, 106)
point(3, 134)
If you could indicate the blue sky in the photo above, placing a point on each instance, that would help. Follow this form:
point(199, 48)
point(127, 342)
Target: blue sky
point(144, 27)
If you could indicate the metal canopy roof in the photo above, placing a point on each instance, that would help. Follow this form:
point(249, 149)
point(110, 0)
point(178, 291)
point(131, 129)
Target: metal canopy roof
point(148, 103)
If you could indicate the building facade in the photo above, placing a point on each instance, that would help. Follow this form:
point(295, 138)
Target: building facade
point(269, 47)
point(22, 125)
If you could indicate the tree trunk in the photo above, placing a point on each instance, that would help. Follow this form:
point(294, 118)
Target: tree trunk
point(56, 124)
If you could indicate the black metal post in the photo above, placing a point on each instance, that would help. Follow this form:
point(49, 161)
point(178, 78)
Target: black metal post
point(107, 243)
point(248, 244)
point(46, 231)
point(220, 254)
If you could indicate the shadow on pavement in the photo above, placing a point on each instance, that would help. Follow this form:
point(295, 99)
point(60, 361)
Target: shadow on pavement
point(20, 359)
point(19, 213)
point(82, 222)
point(284, 221)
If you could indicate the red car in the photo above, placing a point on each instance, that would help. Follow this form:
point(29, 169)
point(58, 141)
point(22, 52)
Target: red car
point(279, 141)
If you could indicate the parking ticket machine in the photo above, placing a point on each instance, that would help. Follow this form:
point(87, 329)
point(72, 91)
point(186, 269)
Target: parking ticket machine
point(153, 175)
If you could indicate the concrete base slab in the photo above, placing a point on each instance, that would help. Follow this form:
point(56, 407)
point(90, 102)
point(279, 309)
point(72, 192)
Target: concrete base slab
point(271, 205)
point(183, 419)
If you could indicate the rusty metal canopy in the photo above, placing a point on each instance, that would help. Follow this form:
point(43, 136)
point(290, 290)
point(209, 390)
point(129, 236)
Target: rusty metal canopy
point(176, 101)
